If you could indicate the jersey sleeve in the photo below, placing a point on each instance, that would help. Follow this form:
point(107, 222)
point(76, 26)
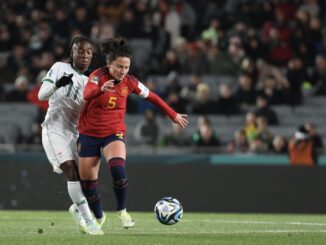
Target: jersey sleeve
point(53, 74)
point(92, 88)
point(156, 100)
point(46, 90)
point(139, 88)
point(48, 82)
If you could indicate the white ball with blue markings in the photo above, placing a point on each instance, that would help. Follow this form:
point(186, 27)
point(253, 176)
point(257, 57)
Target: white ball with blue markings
point(168, 211)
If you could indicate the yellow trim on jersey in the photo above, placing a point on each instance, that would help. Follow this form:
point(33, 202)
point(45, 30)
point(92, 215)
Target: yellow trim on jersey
point(120, 135)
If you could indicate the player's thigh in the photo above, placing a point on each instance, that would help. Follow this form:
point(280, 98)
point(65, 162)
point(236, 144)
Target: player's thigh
point(57, 147)
point(89, 167)
point(116, 148)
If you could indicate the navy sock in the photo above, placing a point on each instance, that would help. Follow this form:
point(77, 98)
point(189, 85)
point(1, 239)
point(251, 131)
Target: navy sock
point(120, 181)
point(93, 197)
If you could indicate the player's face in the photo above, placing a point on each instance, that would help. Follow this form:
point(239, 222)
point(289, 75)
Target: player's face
point(119, 68)
point(82, 54)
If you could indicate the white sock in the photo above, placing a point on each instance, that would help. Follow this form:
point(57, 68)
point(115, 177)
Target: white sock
point(77, 196)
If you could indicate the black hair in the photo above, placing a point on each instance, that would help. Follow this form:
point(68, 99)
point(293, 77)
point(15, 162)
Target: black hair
point(114, 48)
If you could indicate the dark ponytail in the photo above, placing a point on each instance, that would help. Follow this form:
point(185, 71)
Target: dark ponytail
point(114, 48)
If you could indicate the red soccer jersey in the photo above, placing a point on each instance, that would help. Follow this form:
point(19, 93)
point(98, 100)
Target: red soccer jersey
point(104, 113)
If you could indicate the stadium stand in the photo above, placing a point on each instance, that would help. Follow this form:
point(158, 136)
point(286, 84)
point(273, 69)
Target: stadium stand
point(219, 47)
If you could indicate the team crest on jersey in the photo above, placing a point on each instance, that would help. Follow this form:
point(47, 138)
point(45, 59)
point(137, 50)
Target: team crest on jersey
point(124, 91)
point(95, 79)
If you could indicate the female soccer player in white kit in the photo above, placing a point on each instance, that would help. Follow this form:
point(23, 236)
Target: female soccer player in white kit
point(63, 86)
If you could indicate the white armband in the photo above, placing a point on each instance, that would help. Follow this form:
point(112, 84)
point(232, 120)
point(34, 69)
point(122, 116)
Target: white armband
point(144, 91)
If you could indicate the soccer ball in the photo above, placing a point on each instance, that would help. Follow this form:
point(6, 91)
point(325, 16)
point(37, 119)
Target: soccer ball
point(168, 211)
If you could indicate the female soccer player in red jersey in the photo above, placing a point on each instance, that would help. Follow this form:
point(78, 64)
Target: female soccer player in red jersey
point(101, 125)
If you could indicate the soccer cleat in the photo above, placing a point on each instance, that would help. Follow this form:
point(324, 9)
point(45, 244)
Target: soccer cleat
point(101, 221)
point(126, 220)
point(92, 228)
point(80, 222)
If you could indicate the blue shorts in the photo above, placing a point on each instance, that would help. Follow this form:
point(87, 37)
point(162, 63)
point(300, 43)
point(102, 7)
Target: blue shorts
point(89, 146)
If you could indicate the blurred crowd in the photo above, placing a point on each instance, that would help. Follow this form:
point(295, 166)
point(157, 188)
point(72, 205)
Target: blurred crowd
point(274, 51)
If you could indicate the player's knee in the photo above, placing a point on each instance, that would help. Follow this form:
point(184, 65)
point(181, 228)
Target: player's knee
point(118, 172)
point(120, 183)
point(70, 171)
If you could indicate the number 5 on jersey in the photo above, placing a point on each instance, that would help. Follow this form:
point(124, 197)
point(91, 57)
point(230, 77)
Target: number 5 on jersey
point(112, 102)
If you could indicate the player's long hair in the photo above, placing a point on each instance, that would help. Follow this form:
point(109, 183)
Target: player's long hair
point(114, 48)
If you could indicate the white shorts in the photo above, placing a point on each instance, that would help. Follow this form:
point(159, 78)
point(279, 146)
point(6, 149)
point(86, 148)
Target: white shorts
point(59, 147)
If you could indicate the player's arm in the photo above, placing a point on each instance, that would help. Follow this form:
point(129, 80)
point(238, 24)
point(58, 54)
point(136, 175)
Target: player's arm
point(152, 97)
point(180, 119)
point(92, 88)
point(49, 87)
point(48, 82)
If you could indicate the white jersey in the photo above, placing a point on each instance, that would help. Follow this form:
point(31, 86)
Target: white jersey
point(65, 103)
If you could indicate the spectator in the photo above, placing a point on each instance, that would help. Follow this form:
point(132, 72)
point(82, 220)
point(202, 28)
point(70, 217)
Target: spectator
point(19, 93)
point(226, 102)
point(205, 135)
point(195, 59)
point(239, 143)
point(263, 139)
point(248, 67)
point(177, 137)
point(319, 75)
point(271, 92)
point(81, 20)
point(301, 148)
point(169, 63)
point(280, 145)
point(176, 102)
point(250, 126)
point(263, 109)
point(173, 83)
point(296, 75)
point(202, 103)
point(217, 61)
point(188, 92)
point(211, 33)
point(245, 93)
point(314, 135)
point(147, 131)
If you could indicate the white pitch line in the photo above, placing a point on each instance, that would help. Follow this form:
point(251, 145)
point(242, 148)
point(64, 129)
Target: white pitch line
point(258, 222)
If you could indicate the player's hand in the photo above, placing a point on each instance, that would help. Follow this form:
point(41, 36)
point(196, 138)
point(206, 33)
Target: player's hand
point(181, 119)
point(63, 81)
point(107, 85)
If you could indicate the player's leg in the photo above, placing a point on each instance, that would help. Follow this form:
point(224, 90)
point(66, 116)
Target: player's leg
point(115, 154)
point(57, 147)
point(80, 209)
point(88, 169)
point(89, 163)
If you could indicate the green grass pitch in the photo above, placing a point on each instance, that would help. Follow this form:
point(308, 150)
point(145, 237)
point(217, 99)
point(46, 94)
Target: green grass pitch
point(49, 227)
